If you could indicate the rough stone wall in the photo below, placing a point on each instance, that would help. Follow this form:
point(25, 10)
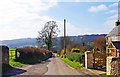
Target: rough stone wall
point(113, 66)
point(5, 55)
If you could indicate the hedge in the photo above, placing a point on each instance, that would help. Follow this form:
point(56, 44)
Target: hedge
point(73, 56)
point(32, 55)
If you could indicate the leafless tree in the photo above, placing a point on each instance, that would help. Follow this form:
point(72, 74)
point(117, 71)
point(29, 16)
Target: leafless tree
point(49, 32)
point(100, 43)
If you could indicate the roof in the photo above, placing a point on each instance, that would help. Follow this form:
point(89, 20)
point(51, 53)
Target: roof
point(116, 30)
point(116, 44)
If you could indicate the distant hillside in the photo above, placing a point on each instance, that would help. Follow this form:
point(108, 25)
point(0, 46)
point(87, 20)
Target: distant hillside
point(20, 42)
point(32, 41)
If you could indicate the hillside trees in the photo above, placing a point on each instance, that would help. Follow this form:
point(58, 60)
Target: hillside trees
point(69, 43)
point(49, 32)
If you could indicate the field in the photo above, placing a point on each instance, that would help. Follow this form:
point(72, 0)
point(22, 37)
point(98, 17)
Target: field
point(12, 61)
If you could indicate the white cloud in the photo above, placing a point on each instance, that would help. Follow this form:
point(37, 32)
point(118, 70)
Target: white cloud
point(111, 20)
point(110, 24)
point(89, 0)
point(111, 12)
point(113, 17)
point(11, 9)
point(113, 5)
point(21, 18)
point(98, 8)
point(70, 29)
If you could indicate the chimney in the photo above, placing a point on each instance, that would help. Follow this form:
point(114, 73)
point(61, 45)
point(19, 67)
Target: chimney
point(117, 23)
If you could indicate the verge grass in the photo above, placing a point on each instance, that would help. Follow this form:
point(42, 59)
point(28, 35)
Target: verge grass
point(71, 63)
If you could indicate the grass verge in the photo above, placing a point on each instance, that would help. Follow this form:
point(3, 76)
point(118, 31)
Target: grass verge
point(71, 63)
point(15, 64)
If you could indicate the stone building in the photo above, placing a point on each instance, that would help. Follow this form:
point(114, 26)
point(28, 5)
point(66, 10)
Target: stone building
point(113, 41)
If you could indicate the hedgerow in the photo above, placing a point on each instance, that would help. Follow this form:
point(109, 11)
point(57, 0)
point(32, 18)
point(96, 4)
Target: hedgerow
point(32, 55)
point(73, 56)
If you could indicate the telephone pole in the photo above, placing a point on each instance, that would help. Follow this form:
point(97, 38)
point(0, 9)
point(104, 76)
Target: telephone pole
point(64, 37)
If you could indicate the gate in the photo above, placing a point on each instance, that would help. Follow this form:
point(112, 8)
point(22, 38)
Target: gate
point(99, 59)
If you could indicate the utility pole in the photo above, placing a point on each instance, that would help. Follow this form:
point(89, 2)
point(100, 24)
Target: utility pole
point(119, 10)
point(64, 38)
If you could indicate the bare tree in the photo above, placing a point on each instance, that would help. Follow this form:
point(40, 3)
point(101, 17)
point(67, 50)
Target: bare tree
point(49, 32)
point(100, 43)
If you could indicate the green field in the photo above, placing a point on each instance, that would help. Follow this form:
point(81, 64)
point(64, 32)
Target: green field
point(12, 61)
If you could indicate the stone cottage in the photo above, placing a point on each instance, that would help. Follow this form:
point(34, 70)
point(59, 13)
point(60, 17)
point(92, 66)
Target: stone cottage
point(113, 41)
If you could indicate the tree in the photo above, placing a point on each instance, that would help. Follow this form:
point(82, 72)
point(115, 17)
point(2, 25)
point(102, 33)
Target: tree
point(99, 43)
point(47, 34)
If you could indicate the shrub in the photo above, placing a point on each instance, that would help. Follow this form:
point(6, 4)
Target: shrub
point(62, 52)
point(31, 54)
point(75, 50)
point(77, 57)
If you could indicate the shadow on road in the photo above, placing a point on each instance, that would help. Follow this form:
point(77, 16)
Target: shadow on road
point(12, 72)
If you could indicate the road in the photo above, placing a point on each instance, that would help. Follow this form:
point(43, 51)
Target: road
point(58, 67)
point(53, 66)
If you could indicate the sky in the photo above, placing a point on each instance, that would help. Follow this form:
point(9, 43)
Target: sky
point(24, 18)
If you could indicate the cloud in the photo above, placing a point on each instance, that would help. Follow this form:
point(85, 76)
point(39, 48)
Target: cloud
point(113, 17)
point(110, 23)
point(21, 18)
point(113, 5)
point(71, 30)
point(111, 12)
point(98, 8)
point(11, 9)
point(89, 0)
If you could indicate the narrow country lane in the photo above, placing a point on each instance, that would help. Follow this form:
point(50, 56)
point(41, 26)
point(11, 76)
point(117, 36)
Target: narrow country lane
point(34, 69)
point(53, 66)
point(58, 67)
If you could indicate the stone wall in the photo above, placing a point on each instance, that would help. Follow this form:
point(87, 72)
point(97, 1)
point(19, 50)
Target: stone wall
point(5, 55)
point(113, 66)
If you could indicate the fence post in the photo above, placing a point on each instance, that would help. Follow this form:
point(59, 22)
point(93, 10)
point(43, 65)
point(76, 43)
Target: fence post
point(88, 59)
point(16, 56)
point(11, 54)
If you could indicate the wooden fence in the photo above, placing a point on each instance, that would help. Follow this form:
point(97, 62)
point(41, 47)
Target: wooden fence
point(99, 59)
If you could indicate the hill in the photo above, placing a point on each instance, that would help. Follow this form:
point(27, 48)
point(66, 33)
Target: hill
point(16, 43)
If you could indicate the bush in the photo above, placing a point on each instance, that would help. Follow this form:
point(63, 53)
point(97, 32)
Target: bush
point(77, 57)
point(75, 50)
point(62, 52)
point(33, 55)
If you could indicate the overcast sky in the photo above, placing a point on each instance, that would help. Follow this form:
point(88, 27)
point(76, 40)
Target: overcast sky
point(24, 18)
